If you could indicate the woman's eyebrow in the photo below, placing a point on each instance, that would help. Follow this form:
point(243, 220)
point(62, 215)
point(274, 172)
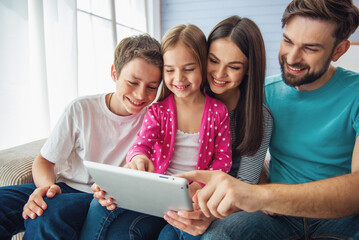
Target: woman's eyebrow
point(185, 65)
point(232, 62)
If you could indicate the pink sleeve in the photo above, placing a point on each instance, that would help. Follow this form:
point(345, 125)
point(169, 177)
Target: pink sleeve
point(222, 157)
point(147, 136)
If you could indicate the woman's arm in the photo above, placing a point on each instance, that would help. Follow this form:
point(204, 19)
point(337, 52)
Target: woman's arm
point(250, 167)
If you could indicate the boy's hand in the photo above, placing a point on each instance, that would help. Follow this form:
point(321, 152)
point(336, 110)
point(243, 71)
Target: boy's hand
point(36, 205)
point(142, 163)
point(100, 196)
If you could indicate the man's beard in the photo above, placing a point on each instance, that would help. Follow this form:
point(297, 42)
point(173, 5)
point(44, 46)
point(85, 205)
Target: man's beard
point(291, 79)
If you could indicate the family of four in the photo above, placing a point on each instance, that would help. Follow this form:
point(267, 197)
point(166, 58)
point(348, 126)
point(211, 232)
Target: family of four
point(215, 118)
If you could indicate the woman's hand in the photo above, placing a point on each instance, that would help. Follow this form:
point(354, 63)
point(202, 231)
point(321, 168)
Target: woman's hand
point(100, 196)
point(142, 163)
point(193, 222)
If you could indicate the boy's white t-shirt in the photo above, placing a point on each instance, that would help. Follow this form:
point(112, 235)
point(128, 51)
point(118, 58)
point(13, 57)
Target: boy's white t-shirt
point(88, 130)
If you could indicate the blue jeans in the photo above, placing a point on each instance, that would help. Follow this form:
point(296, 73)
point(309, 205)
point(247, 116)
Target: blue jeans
point(119, 224)
point(356, 236)
point(62, 219)
point(244, 225)
point(170, 232)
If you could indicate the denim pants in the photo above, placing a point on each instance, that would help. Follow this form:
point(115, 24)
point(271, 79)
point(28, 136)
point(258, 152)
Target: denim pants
point(244, 225)
point(119, 224)
point(62, 219)
point(173, 233)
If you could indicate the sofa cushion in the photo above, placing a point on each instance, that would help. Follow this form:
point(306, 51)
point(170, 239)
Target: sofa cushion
point(16, 163)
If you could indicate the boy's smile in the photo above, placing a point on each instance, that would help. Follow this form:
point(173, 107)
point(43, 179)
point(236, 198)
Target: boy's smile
point(136, 86)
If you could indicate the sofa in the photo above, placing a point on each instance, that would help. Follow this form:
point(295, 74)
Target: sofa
point(16, 164)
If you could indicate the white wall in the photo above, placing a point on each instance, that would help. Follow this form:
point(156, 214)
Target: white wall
point(266, 14)
point(350, 60)
point(207, 13)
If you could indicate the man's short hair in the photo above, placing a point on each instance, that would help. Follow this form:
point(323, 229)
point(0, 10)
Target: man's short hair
point(343, 13)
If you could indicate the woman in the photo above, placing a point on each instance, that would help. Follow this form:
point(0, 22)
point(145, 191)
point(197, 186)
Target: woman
point(235, 75)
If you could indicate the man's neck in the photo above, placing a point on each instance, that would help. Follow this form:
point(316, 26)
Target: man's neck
point(320, 82)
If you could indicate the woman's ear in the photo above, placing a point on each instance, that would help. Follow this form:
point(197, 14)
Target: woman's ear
point(340, 49)
point(113, 73)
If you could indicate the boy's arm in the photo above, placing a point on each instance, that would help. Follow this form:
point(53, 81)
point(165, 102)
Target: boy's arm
point(44, 178)
point(43, 172)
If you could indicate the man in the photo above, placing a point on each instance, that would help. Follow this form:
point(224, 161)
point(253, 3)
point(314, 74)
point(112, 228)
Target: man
point(314, 168)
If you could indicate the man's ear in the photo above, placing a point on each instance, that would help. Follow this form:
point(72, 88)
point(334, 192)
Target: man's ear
point(113, 73)
point(340, 49)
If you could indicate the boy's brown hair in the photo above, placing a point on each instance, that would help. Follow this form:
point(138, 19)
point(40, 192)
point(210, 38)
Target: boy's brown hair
point(142, 46)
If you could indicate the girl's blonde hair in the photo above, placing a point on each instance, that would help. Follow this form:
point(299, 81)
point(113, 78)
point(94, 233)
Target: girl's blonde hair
point(193, 38)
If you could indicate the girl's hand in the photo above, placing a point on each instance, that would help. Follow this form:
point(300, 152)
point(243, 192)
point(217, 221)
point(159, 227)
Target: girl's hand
point(142, 163)
point(192, 222)
point(100, 196)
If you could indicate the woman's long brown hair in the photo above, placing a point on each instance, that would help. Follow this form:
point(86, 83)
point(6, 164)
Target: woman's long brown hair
point(247, 36)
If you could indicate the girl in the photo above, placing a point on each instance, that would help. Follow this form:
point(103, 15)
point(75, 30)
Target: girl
point(186, 130)
point(235, 75)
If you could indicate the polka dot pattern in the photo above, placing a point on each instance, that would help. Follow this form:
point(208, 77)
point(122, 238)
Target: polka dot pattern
point(156, 138)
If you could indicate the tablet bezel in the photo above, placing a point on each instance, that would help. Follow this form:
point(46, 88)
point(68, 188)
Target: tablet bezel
point(140, 191)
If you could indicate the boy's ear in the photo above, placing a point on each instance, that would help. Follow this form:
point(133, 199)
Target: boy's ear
point(340, 49)
point(113, 73)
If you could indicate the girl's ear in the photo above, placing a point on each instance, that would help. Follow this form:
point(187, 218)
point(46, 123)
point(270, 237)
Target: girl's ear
point(113, 73)
point(340, 49)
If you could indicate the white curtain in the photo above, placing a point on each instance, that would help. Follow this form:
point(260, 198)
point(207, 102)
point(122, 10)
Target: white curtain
point(56, 50)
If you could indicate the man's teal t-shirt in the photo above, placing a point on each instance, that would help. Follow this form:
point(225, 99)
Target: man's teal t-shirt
point(314, 131)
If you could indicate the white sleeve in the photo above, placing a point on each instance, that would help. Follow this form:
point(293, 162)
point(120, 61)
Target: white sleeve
point(62, 139)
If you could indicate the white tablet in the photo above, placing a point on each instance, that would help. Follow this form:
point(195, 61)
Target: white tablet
point(140, 191)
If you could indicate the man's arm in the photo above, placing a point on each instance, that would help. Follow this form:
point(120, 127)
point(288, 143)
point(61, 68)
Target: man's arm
point(330, 198)
point(44, 178)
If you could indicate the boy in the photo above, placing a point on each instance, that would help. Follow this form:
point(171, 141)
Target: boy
point(98, 128)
